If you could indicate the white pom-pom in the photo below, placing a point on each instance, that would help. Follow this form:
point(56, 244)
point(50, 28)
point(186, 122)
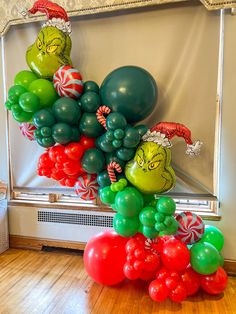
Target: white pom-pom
point(194, 149)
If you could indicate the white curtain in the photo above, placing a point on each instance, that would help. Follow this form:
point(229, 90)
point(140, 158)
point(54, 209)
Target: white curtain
point(177, 45)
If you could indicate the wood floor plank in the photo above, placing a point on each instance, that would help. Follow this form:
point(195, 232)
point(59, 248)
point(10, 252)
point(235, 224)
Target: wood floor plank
point(52, 282)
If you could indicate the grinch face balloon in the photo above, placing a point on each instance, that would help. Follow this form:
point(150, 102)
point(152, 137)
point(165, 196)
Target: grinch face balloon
point(150, 171)
point(50, 51)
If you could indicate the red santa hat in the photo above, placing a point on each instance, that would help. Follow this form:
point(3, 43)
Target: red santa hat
point(163, 132)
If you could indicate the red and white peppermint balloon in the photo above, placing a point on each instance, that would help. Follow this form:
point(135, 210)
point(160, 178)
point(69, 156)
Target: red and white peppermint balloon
point(190, 229)
point(68, 82)
point(87, 187)
point(27, 130)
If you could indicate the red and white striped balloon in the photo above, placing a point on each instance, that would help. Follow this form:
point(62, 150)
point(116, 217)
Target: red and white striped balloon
point(27, 130)
point(68, 82)
point(190, 229)
point(87, 187)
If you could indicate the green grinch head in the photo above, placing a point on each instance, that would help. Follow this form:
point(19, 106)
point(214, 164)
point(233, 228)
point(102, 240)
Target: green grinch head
point(52, 47)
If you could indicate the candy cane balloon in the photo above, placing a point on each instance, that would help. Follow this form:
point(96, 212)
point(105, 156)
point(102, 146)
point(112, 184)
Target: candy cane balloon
point(111, 170)
point(100, 117)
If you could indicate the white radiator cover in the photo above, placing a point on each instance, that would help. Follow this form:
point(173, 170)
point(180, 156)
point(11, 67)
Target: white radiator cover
point(58, 224)
point(4, 239)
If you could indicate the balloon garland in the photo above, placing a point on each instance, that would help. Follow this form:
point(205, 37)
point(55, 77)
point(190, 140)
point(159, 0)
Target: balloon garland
point(93, 146)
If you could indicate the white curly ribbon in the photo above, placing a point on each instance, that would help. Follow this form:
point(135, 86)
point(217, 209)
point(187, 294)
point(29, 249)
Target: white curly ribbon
point(194, 149)
point(60, 24)
point(157, 137)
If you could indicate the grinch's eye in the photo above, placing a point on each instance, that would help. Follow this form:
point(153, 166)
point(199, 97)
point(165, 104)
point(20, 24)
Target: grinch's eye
point(153, 165)
point(39, 44)
point(51, 49)
point(140, 161)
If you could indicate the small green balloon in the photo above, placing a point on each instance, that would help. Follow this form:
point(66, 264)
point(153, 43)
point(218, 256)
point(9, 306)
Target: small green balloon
point(93, 161)
point(47, 142)
point(129, 202)
point(46, 131)
point(91, 86)
point(43, 118)
point(15, 92)
point(29, 102)
point(142, 129)
point(25, 78)
point(150, 232)
point(166, 205)
point(107, 196)
point(22, 117)
point(204, 258)
point(104, 144)
point(213, 236)
point(90, 126)
point(8, 105)
point(45, 91)
point(112, 157)
point(67, 110)
point(132, 138)
point(90, 102)
point(116, 120)
point(119, 134)
point(125, 154)
point(147, 216)
point(61, 133)
point(103, 179)
point(126, 226)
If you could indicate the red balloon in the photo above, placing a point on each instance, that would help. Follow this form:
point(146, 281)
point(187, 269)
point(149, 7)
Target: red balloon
point(55, 151)
point(130, 272)
point(74, 151)
point(179, 294)
point(87, 142)
point(71, 167)
point(44, 161)
point(215, 283)
point(191, 281)
point(147, 275)
point(158, 291)
point(175, 255)
point(104, 258)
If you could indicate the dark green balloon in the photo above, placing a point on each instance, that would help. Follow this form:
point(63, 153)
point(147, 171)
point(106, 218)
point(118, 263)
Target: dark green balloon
point(29, 102)
point(166, 205)
point(103, 179)
point(129, 202)
point(75, 137)
point(213, 236)
point(90, 102)
point(61, 133)
point(93, 160)
point(67, 110)
point(112, 157)
point(91, 86)
point(116, 120)
point(131, 91)
point(105, 145)
point(142, 129)
point(90, 126)
point(147, 216)
point(43, 117)
point(205, 258)
point(126, 226)
point(107, 196)
point(132, 138)
point(15, 92)
point(125, 154)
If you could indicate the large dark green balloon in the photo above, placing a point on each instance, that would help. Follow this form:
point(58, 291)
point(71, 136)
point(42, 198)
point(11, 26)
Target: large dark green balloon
point(90, 126)
point(131, 91)
point(43, 117)
point(67, 110)
point(90, 102)
point(93, 160)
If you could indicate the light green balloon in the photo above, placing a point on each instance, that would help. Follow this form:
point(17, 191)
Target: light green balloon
point(45, 91)
point(25, 78)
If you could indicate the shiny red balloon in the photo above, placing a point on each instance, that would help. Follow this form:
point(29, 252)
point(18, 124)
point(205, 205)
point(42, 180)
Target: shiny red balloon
point(74, 151)
point(175, 255)
point(104, 258)
point(158, 291)
point(215, 283)
point(191, 281)
point(87, 142)
point(178, 294)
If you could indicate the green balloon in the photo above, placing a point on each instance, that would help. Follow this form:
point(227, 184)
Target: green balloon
point(104, 144)
point(91, 86)
point(93, 160)
point(25, 78)
point(90, 126)
point(45, 91)
point(126, 226)
point(22, 117)
point(149, 232)
point(129, 202)
point(125, 154)
point(90, 102)
point(29, 102)
point(61, 133)
point(107, 196)
point(119, 134)
point(103, 179)
point(112, 157)
point(166, 205)
point(8, 105)
point(15, 92)
point(16, 109)
point(147, 216)
point(46, 131)
point(43, 118)
point(130, 90)
point(142, 129)
point(204, 258)
point(132, 138)
point(66, 110)
point(116, 120)
point(213, 236)
point(75, 137)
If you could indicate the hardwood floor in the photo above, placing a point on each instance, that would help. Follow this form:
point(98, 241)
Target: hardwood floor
point(52, 282)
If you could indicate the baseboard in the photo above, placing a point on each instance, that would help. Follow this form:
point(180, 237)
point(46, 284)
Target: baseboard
point(20, 242)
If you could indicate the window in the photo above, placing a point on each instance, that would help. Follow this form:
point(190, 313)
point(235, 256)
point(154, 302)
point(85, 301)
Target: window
point(179, 46)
